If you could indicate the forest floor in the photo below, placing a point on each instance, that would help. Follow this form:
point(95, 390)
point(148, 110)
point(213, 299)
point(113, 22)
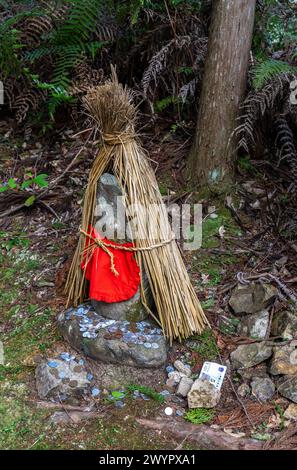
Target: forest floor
point(37, 243)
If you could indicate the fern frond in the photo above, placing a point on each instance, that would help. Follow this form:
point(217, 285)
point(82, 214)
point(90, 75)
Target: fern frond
point(90, 48)
point(29, 99)
point(268, 69)
point(286, 145)
point(79, 24)
point(257, 105)
point(188, 90)
point(159, 60)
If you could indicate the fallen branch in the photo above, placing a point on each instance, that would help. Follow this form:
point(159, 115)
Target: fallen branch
point(204, 437)
point(39, 196)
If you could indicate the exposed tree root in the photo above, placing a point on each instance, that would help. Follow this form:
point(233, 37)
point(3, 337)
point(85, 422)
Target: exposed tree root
point(204, 437)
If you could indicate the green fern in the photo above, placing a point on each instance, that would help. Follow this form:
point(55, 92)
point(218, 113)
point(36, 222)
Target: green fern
point(10, 44)
point(268, 69)
point(79, 24)
point(68, 44)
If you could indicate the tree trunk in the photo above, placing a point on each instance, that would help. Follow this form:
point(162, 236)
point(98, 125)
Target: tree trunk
point(223, 87)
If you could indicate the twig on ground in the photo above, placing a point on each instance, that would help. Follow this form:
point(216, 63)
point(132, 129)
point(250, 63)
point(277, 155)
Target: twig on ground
point(237, 396)
point(49, 208)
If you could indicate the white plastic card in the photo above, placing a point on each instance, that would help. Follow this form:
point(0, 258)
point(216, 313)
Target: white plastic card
point(213, 373)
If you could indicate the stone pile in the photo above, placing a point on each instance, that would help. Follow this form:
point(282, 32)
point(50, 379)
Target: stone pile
point(199, 393)
point(266, 367)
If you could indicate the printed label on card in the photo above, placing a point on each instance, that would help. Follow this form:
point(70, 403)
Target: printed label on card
point(213, 373)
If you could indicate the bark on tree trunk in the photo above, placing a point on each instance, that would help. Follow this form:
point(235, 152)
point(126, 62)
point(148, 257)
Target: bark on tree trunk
point(223, 87)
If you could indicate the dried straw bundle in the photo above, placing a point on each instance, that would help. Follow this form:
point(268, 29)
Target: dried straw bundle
point(179, 310)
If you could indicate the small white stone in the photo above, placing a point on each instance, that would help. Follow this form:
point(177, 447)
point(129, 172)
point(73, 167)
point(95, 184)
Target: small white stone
point(168, 411)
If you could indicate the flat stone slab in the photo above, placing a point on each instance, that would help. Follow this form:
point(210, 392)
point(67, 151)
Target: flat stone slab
point(252, 298)
point(62, 378)
point(249, 355)
point(138, 344)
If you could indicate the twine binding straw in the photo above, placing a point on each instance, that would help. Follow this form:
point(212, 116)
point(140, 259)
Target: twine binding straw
point(180, 314)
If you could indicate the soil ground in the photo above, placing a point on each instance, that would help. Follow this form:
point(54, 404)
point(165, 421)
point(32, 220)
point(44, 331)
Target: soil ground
point(37, 243)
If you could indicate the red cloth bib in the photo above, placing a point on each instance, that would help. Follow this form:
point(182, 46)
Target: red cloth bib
point(104, 284)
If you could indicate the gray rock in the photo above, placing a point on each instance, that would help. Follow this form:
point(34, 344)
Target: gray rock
point(263, 388)
point(184, 386)
point(61, 380)
point(249, 355)
point(252, 298)
point(203, 394)
point(284, 360)
point(284, 324)
point(174, 378)
point(257, 371)
point(110, 212)
point(255, 325)
point(131, 309)
point(243, 390)
point(139, 344)
point(111, 222)
point(183, 368)
point(288, 388)
point(291, 412)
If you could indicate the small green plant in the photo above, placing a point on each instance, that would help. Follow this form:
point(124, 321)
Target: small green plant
point(229, 325)
point(30, 182)
point(244, 164)
point(280, 411)
point(207, 304)
point(7, 242)
point(150, 392)
point(206, 345)
point(214, 276)
point(199, 415)
point(57, 225)
point(39, 181)
point(165, 103)
point(117, 395)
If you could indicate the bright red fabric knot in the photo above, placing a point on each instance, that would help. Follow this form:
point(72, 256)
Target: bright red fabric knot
point(104, 284)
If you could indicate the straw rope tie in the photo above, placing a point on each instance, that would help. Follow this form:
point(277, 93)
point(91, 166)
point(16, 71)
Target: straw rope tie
point(105, 247)
point(117, 139)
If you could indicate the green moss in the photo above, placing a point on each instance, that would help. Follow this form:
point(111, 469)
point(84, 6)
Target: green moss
point(136, 312)
point(210, 228)
point(205, 345)
point(19, 426)
point(207, 304)
point(150, 392)
point(229, 325)
point(199, 415)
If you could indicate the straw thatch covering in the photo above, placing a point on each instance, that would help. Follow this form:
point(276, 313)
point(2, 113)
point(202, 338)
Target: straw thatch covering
point(179, 310)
